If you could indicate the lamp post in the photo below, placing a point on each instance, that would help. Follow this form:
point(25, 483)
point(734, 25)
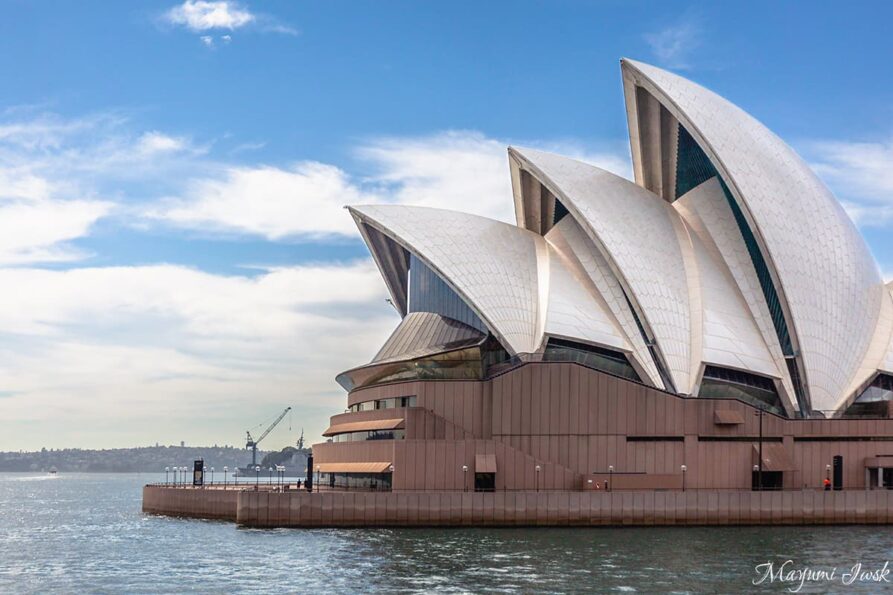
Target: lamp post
point(759, 414)
point(270, 480)
point(166, 471)
point(174, 476)
point(538, 469)
point(610, 476)
point(184, 475)
point(256, 476)
point(317, 477)
point(391, 469)
point(212, 475)
point(683, 468)
point(225, 469)
point(465, 477)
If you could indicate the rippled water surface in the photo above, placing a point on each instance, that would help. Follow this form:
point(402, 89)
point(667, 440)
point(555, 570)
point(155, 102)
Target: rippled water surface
point(85, 533)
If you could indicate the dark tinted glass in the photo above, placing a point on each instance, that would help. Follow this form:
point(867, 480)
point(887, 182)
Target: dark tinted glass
point(429, 293)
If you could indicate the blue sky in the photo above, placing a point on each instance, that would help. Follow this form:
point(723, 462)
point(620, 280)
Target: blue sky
point(175, 260)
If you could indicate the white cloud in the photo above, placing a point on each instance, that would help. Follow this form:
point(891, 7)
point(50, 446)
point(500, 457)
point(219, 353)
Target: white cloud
point(860, 173)
point(199, 15)
point(464, 171)
point(304, 200)
point(156, 142)
point(673, 45)
point(208, 40)
point(35, 231)
point(139, 354)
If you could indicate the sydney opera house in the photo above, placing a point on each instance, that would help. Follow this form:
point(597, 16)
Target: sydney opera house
point(719, 323)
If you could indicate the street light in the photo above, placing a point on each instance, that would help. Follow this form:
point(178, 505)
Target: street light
point(256, 476)
point(317, 477)
point(684, 469)
point(271, 476)
point(538, 469)
point(760, 454)
point(610, 476)
point(166, 470)
point(465, 477)
point(225, 469)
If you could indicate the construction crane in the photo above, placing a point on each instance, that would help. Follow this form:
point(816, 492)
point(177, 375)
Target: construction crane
point(252, 443)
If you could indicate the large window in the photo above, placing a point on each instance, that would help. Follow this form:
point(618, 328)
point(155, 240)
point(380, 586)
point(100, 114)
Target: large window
point(723, 383)
point(598, 358)
point(370, 435)
point(429, 293)
point(874, 400)
point(392, 403)
point(374, 482)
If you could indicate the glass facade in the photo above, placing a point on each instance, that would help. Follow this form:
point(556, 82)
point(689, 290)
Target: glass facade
point(365, 482)
point(429, 293)
point(655, 356)
point(560, 212)
point(693, 167)
point(597, 358)
point(392, 403)
point(370, 435)
point(723, 383)
point(874, 400)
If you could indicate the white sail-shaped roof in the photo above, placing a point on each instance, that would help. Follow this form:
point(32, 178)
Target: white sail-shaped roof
point(570, 239)
point(727, 253)
point(491, 265)
point(826, 278)
point(574, 311)
point(638, 235)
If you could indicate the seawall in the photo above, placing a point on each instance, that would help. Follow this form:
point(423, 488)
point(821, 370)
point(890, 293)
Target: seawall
point(191, 502)
point(500, 509)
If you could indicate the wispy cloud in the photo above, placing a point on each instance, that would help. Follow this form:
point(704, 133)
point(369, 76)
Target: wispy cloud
point(860, 173)
point(147, 348)
point(460, 170)
point(673, 45)
point(144, 350)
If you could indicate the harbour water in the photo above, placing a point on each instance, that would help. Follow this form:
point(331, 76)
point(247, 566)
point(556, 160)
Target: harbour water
point(76, 533)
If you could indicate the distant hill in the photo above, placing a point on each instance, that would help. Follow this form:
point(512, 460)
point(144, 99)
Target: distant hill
point(124, 460)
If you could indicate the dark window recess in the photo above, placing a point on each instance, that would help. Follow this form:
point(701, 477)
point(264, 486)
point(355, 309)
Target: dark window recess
point(772, 480)
point(560, 212)
point(484, 482)
point(429, 293)
point(693, 167)
point(599, 358)
point(723, 383)
point(370, 435)
point(375, 482)
point(874, 400)
point(669, 385)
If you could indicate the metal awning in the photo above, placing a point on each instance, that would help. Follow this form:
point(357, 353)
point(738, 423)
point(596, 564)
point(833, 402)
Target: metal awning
point(485, 463)
point(727, 418)
point(354, 467)
point(361, 426)
point(775, 457)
